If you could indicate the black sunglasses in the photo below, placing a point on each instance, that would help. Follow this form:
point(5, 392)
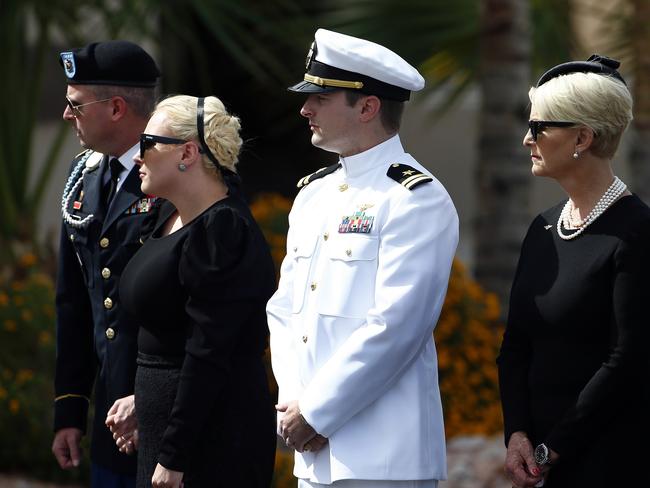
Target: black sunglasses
point(147, 141)
point(537, 126)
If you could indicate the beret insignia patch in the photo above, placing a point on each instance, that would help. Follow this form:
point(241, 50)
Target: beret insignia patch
point(68, 64)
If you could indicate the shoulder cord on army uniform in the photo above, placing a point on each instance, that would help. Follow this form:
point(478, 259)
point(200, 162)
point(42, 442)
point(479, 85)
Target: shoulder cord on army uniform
point(72, 185)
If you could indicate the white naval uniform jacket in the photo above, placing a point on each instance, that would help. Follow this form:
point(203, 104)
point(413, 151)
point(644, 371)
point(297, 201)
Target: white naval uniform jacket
point(352, 320)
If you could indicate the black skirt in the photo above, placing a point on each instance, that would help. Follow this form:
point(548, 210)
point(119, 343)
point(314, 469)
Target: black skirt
point(156, 382)
point(229, 453)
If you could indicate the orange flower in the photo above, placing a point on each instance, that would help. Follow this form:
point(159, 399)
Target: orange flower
point(44, 338)
point(467, 338)
point(23, 376)
point(14, 406)
point(28, 260)
point(18, 285)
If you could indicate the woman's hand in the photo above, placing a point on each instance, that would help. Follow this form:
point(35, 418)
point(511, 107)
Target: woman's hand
point(121, 418)
point(553, 458)
point(128, 443)
point(166, 478)
point(520, 464)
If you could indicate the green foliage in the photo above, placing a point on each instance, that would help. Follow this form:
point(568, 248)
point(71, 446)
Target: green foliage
point(442, 37)
point(27, 373)
point(553, 39)
point(256, 35)
point(26, 31)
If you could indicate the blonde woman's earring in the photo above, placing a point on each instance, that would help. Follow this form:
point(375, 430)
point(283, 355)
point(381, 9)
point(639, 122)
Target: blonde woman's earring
point(182, 167)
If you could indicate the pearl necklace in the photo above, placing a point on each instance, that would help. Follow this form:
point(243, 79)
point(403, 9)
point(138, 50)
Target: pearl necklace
point(615, 190)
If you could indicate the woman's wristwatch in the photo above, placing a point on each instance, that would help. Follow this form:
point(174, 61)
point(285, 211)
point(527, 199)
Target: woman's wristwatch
point(542, 455)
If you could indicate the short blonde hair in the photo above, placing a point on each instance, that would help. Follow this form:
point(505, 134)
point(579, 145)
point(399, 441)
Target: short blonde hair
point(221, 130)
point(602, 103)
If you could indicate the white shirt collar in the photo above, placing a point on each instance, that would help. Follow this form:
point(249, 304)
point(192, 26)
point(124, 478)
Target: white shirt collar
point(127, 158)
point(376, 155)
point(127, 162)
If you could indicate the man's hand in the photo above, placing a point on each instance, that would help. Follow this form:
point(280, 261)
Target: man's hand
point(295, 430)
point(520, 464)
point(316, 443)
point(166, 478)
point(65, 447)
point(121, 419)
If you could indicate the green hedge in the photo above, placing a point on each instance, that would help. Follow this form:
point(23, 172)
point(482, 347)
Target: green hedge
point(27, 352)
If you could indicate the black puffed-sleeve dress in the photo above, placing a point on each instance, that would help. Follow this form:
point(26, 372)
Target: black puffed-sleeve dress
point(198, 296)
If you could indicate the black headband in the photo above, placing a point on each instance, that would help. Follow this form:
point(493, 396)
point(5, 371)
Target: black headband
point(596, 63)
point(199, 126)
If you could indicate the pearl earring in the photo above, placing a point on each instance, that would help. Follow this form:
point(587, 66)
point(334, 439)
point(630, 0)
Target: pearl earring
point(576, 154)
point(182, 167)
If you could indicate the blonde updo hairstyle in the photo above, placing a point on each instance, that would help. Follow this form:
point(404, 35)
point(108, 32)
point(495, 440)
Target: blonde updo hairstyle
point(600, 102)
point(221, 130)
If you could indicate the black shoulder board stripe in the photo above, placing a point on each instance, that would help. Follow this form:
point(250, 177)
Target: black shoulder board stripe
point(407, 176)
point(305, 180)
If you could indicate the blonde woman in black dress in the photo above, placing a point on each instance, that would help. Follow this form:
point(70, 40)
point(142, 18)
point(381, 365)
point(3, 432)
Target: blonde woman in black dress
point(198, 289)
point(573, 366)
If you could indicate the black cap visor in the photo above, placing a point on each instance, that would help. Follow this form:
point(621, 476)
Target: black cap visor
point(308, 87)
point(335, 79)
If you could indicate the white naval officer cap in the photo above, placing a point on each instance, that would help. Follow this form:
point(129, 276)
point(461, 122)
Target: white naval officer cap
point(338, 61)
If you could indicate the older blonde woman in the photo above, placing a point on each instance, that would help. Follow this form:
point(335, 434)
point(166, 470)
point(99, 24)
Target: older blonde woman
point(575, 346)
point(197, 289)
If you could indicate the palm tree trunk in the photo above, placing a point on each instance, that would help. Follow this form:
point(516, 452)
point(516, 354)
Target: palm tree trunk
point(503, 177)
point(640, 152)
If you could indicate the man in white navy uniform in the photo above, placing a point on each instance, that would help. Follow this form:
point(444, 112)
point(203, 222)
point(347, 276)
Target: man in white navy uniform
point(369, 251)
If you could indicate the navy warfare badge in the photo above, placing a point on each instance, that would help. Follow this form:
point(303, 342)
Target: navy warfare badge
point(68, 64)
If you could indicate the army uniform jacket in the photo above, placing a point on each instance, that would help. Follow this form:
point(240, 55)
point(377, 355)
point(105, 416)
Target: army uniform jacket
point(96, 343)
point(369, 252)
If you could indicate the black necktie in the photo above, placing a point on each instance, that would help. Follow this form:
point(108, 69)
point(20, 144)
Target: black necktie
point(115, 168)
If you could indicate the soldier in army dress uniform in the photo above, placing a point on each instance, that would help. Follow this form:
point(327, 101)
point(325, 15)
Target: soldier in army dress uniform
point(369, 250)
point(110, 95)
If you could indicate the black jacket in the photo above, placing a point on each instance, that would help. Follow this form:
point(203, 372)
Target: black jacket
point(96, 344)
